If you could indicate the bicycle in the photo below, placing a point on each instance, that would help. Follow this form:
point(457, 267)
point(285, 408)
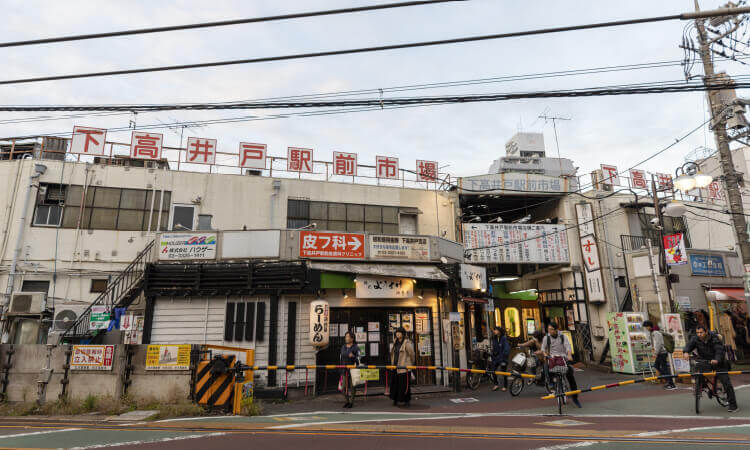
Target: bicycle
point(481, 361)
point(702, 383)
point(527, 363)
point(558, 369)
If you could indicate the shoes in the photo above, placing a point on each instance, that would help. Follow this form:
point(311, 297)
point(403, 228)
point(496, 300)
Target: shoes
point(494, 388)
point(670, 387)
point(504, 389)
point(577, 402)
point(733, 409)
point(348, 405)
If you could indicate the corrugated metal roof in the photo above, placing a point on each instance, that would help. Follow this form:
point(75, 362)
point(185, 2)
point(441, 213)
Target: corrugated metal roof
point(426, 272)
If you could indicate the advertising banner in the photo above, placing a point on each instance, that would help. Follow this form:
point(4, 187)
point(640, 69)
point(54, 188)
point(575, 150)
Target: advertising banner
point(516, 243)
point(407, 248)
point(331, 245)
point(177, 246)
point(99, 319)
point(674, 249)
point(168, 357)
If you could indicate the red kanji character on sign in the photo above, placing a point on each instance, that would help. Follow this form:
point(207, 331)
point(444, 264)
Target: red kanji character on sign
point(201, 150)
point(299, 160)
point(664, 180)
point(345, 163)
point(714, 190)
point(252, 156)
point(146, 145)
point(88, 141)
point(386, 167)
point(610, 175)
point(427, 170)
point(638, 179)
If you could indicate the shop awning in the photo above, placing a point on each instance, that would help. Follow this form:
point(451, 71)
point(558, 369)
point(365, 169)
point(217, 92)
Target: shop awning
point(728, 294)
point(386, 270)
point(474, 300)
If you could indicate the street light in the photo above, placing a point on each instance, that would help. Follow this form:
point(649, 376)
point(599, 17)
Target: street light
point(689, 176)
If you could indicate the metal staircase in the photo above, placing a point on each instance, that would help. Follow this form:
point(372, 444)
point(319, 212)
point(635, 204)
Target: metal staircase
point(120, 293)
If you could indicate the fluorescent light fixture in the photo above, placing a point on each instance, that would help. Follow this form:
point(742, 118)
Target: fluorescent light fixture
point(511, 278)
point(702, 180)
point(525, 291)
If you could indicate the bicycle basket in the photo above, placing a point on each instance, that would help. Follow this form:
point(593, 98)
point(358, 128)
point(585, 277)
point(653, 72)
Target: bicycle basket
point(531, 362)
point(519, 359)
point(557, 364)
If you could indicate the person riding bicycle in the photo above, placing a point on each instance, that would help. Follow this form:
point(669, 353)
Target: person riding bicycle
point(555, 344)
point(534, 344)
point(500, 349)
point(709, 347)
point(661, 355)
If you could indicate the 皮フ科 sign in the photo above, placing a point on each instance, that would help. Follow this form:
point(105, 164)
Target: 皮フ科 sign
point(168, 357)
point(321, 244)
point(92, 357)
point(175, 246)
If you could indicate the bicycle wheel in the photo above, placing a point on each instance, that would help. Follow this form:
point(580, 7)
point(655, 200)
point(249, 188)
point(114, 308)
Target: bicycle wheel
point(698, 391)
point(516, 386)
point(721, 394)
point(559, 390)
point(565, 388)
point(473, 379)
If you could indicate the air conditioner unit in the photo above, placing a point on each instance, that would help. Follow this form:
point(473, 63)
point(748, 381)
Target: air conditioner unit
point(65, 316)
point(26, 303)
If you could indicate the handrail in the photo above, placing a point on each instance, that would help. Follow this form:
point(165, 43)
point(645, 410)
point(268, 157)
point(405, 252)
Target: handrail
point(121, 285)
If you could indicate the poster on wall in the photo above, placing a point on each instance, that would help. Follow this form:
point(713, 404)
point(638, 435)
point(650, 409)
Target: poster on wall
point(373, 336)
point(674, 249)
point(373, 326)
point(99, 319)
point(673, 326)
point(394, 321)
point(424, 345)
point(168, 357)
point(362, 349)
point(92, 357)
point(406, 322)
point(177, 246)
point(374, 349)
point(422, 322)
point(360, 336)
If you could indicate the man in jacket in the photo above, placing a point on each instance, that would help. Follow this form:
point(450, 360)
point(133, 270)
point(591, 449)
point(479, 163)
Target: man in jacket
point(499, 351)
point(661, 356)
point(709, 347)
point(555, 344)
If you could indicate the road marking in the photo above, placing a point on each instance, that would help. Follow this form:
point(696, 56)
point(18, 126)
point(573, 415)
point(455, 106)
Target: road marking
point(566, 446)
point(36, 433)
point(150, 441)
point(565, 423)
point(465, 400)
point(445, 416)
point(687, 430)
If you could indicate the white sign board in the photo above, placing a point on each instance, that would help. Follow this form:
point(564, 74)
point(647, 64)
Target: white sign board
point(319, 323)
point(610, 175)
point(177, 246)
point(516, 243)
point(407, 248)
point(384, 287)
point(250, 244)
point(590, 252)
point(514, 182)
point(99, 319)
point(92, 357)
point(88, 141)
point(473, 277)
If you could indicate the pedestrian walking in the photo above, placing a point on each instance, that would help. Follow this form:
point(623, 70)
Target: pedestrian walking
point(402, 354)
point(349, 356)
point(500, 349)
point(661, 355)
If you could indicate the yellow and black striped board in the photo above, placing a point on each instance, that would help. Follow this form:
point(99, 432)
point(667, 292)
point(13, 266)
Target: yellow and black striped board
point(214, 386)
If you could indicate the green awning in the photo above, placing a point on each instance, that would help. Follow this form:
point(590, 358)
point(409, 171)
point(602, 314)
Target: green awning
point(498, 291)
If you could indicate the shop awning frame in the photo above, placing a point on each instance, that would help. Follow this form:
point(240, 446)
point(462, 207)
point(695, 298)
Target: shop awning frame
point(418, 272)
point(726, 293)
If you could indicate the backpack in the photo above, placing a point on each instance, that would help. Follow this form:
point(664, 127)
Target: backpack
point(668, 342)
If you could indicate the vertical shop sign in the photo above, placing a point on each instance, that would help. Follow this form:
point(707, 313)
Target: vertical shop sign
point(473, 277)
point(319, 321)
point(590, 252)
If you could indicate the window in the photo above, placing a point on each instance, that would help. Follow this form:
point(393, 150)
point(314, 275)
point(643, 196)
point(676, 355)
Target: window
point(408, 224)
point(101, 208)
point(204, 221)
point(343, 216)
point(98, 286)
point(35, 286)
point(183, 217)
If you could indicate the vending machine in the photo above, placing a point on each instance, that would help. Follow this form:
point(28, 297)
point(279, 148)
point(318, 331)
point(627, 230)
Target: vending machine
point(629, 344)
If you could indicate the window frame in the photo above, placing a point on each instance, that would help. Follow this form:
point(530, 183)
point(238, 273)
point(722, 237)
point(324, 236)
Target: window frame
point(94, 280)
point(296, 217)
point(182, 205)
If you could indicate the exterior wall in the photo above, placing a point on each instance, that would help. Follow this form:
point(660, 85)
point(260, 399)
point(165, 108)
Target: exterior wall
point(234, 201)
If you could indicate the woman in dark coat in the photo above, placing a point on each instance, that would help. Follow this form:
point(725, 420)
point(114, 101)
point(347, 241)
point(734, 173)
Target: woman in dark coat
point(402, 354)
point(349, 356)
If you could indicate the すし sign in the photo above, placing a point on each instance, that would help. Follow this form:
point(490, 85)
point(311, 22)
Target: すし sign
point(168, 357)
point(92, 357)
point(175, 246)
point(319, 323)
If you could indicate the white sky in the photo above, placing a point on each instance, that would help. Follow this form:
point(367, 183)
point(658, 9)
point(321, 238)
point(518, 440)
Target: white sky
point(615, 130)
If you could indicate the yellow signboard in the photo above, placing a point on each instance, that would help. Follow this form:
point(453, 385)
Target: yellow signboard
point(168, 357)
point(370, 374)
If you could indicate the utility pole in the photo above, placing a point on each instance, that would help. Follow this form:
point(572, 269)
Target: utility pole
point(718, 120)
point(662, 267)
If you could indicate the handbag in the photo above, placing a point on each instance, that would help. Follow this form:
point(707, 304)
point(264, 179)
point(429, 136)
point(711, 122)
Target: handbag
point(356, 377)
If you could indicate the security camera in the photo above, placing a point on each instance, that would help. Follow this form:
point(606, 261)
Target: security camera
point(654, 221)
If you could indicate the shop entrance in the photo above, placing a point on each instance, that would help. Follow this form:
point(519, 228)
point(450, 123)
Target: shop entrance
point(375, 327)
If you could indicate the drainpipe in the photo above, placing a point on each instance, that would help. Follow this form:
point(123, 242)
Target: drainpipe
point(39, 169)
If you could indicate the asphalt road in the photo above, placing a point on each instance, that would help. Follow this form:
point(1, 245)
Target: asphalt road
point(635, 416)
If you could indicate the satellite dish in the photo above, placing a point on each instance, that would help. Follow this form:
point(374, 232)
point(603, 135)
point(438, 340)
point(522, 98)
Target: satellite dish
point(64, 320)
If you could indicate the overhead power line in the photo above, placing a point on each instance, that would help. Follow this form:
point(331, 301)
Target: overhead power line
point(684, 16)
point(222, 23)
point(640, 88)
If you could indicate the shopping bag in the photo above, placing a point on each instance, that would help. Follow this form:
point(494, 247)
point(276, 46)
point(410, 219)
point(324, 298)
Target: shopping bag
point(341, 384)
point(356, 377)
